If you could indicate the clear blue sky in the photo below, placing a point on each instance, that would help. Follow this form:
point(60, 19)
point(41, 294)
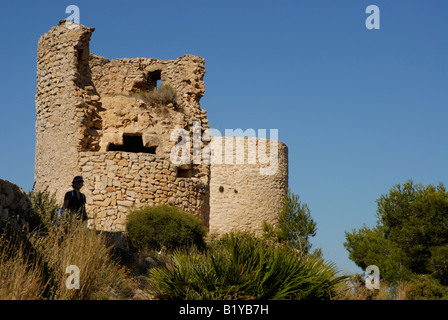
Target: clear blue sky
point(360, 110)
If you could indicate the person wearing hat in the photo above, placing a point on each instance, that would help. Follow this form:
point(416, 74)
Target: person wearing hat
point(75, 201)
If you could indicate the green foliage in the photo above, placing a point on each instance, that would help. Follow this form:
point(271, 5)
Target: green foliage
point(425, 287)
point(295, 225)
point(438, 264)
point(369, 247)
point(164, 226)
point(411, 233)
point(45, 206)
point(240, 267)
point(416, 219)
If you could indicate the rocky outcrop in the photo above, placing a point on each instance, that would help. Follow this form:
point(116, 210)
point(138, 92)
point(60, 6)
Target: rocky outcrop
point(15, 207)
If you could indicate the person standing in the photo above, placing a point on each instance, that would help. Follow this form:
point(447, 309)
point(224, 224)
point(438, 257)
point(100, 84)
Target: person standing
point(75, 201)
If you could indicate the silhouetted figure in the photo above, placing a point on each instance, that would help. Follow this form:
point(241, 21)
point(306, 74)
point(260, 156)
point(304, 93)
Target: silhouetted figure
point(75, 201)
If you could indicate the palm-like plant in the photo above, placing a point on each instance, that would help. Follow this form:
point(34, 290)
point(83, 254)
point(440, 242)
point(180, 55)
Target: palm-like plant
point(241, 266)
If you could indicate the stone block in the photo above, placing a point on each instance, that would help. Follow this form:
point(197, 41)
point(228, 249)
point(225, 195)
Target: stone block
point(123, 163)
point(151, 140)
point(125, 203)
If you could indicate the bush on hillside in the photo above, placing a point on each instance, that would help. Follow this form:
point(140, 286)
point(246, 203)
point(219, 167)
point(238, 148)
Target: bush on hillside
point(425, 287)
point(164, 226)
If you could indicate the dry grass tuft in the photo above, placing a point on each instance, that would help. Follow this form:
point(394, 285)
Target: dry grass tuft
point(39, 272)
point(21, 277)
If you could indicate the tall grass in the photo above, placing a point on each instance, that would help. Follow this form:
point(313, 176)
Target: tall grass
point(162, 96)
point(21, 276)
point(73, 244)
point(242, 267)
point(33, 264)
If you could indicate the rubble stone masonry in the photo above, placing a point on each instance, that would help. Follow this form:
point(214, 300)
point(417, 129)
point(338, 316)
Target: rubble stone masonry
point(92, 119)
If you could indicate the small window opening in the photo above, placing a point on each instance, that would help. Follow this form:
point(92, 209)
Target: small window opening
point(132, 144)
point(154, 79)
point(186, 173)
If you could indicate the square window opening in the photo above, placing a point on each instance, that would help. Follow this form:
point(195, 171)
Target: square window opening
point(186, 173)
point(132, 144)
point(154, 79)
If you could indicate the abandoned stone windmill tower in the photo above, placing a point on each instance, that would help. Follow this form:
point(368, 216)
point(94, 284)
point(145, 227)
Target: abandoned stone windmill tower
point(94, 119)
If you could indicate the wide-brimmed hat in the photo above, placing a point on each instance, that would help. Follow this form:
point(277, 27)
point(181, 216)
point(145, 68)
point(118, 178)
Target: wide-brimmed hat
point(78, 178)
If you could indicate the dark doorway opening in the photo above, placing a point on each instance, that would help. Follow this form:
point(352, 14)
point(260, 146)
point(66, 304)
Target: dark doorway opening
point(132, 144)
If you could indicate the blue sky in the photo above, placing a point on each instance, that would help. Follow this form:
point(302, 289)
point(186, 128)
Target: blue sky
point(360, 110)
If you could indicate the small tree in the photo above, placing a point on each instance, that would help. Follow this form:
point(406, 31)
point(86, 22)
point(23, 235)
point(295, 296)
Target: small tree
point(294, 226)
point(411, 235)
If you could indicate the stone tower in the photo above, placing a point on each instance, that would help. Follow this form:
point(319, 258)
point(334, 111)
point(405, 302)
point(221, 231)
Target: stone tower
point(245, 193)
point(97, 118)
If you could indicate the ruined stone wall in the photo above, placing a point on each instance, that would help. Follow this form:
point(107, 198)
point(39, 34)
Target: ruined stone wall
point(124, 111)
point(86, 105)
point(116, 182)
point(60, 107)
point(15, 208)
point(244, 194)
point(92, 112)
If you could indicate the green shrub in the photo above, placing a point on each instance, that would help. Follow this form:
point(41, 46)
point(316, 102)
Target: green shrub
point(242, 267)
point(438, 264)
point(164, 226)
point(425, 287)
point(45, 206)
